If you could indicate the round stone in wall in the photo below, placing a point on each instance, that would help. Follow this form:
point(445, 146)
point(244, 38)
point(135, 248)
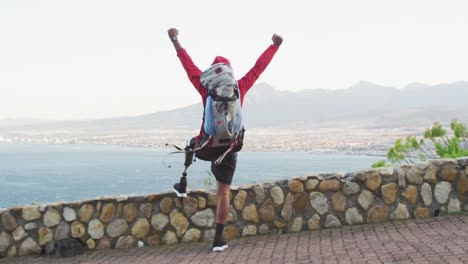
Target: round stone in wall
point(130, 212)
point(52, 218)
point(45, 236)
point(430, 175)
point(169, 238)
point(314, 222)
point(232, 215)
point(264, 229)
point(62, 231)
point(339, 202)
point(389, 192)
point(277, 196)
point(29, 247)
point(230, 232)
point(166, 205)
point(8, 221)
point(201, 202)
point(31, 226)
point(332, 222)
point(104, 243)
point(449, 174)
point(400, 213)
point(377, 214)
point(19, 234)
point(141, 228)
point(295, 186)
point(179, 222)
point(300, 202)
point(249, 230)
point(373, 182)
point(239, 200)
point(153, 240)
point(212, 200)
point(146, 209)
point(69, 214)
point(411, 194)
point(351, 188)
point(108, 213)
point(159, 221)
point(259, 194)
point(426, 194)
point(401, 177)
point(386, 171)
point(287, 210)
point(5, 241)
point(96, 229)
point(442, 191)
point(279, 223)
point(31, 213)
point(319, 202)
point(86, 213)
point(77, 229)
point(414, 176)
point(177, 202)
point(331, 185)
point(462, 185)
point(365, 199)
point(296, 225)
point(192, 235)
point(190, 205)
point(91, 244)
point(125, 242)
point(205, 218)
point(117, 228)
point(454, 206)
point(311, 184)
point(353, 217)
point(421, 212)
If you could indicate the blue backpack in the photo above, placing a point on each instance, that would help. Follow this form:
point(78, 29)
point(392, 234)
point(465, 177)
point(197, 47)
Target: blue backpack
point(223, 132)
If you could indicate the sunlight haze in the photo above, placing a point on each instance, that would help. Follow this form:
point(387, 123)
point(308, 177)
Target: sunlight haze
point(94, 59)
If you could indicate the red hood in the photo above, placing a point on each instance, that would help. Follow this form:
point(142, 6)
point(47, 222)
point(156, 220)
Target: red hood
point(220, 59)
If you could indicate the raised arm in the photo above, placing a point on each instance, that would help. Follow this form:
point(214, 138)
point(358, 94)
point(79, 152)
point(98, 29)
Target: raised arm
point(193, 72)
point(246, 82)
point(174, 37)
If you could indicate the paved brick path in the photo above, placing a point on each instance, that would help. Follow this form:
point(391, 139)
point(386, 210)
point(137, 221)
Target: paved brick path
point(436, 240)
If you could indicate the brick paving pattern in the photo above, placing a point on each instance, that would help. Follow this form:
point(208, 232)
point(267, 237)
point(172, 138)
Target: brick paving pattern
point(434, 240)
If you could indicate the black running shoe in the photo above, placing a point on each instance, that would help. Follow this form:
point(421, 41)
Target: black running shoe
point(180, 190)
point(219, 246)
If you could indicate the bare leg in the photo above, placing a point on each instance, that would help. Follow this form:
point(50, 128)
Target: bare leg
point(222, 210)
point(222, 174)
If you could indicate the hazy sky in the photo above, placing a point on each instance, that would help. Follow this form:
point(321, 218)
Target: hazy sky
point(91, 59)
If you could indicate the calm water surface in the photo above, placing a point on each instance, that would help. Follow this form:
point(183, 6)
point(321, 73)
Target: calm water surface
point(47, 173)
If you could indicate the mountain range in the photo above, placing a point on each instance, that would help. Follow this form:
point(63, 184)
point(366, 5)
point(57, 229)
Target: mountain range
point(362, 105)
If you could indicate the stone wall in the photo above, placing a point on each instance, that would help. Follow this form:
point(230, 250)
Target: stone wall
point(306, 203)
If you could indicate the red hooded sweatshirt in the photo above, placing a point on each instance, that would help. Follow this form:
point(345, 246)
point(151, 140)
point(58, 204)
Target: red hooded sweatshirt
point(245, 83)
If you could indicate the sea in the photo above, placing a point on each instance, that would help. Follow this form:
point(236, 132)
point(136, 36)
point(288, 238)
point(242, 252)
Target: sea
point(45, 173)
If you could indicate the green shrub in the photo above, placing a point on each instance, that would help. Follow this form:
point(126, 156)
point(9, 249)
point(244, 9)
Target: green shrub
point(380, 163)
point(435, 143)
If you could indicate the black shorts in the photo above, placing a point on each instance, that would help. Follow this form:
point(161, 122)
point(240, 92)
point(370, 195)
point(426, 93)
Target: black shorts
point(224, 171)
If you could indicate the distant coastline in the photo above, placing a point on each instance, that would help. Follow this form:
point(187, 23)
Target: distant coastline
point(352, 141)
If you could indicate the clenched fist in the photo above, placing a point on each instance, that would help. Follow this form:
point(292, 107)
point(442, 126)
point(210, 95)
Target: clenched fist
point(277, 40)
point(173, 33)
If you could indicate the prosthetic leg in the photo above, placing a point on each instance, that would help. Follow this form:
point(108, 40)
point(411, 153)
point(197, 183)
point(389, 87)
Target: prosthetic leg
point(180, 188)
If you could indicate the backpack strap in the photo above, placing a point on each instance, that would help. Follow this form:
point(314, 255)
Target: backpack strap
point(218, 98)
point(204, 144)
point(233, 145)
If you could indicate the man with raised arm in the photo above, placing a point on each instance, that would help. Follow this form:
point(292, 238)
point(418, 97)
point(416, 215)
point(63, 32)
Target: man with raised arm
point(224, 170)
